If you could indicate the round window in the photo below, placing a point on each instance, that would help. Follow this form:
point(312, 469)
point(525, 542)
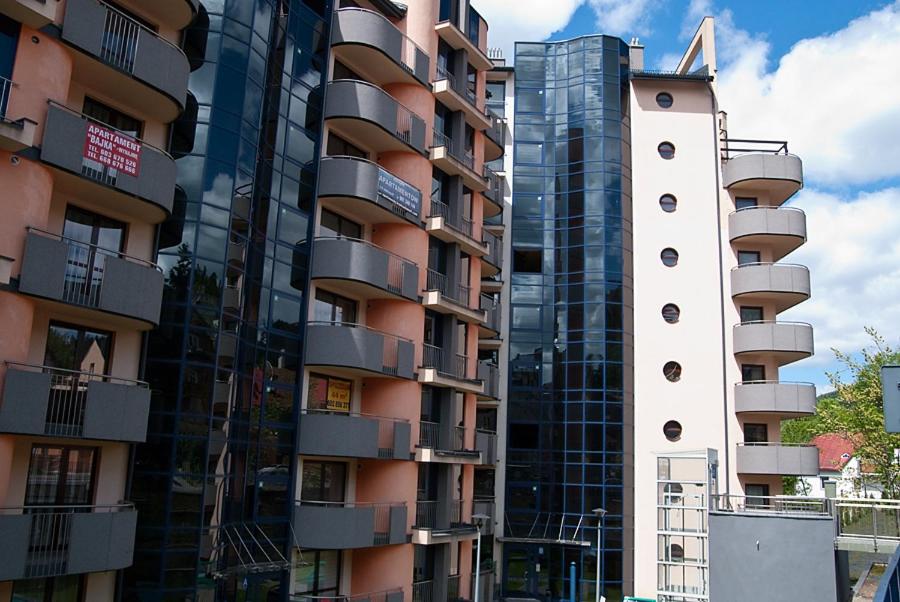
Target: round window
point(672, 430)
point(668, 203)
point(664, 99)
point(677, 552)
point(671, 313)
point(669, 257)
point(666, 150)
point(672, 371)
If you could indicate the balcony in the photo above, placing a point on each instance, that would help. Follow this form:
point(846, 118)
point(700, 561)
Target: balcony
point(775, 397)
point(146, 193)
point(368, 190)
point(362, 269)
point(348, 525)
point(782, 284)
point(781, 229)
point(52, 402)
point(91, 278)
point(494, 224)
point(450, 228)
point(358, 350)
point(352, 435)
point(492, 262)
point(783, 342)
point(495, 137)
point(491, 326)
point(455, 161)
point(33, 13)
point(363, 112)
point(440, 521)
point(445, 444)
point(489, 374)
point(761, 167)
point(777, 459)
point(126, 60)
point(449, 93)
point(459, 40)
point(176, 14)
point(18, 134)
point(445, 297)
point(493, 194)
point(394, 595)
point(486, 444)
point(438, 370)
point(372, 46)
point(51, 541)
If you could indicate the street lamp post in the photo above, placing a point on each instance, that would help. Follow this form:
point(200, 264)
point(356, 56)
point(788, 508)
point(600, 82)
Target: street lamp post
point(479, 521)
point(600, 512)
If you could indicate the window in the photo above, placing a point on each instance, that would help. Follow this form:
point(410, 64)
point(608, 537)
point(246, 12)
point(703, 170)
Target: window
point(60, 476)
point(334, 308)
point(666, 150)
point(77, 348)
point(323, 481)
point(471, 83)
point(94, 229)
point(672, 430)
point(744, 202)
point(671, 313)
point(328, 393)
point(338, 226)
point(751, 314)
point(496, 98)
point(319, 574)
point(753, 373)
point(473, 26)
point(669, 257)
point(672, 371)
point(527, 260)
point(664, 100)
point(93, 237)
point(756, 433)
point(668, 203)
point(757, 495)
point(112, 117)
point(337, 146)
point(748, 257)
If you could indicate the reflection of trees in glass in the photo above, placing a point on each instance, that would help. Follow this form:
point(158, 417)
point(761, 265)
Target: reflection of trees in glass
point(60, 349)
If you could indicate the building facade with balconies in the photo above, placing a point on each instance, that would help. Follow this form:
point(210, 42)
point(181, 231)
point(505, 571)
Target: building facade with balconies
point(89, 94)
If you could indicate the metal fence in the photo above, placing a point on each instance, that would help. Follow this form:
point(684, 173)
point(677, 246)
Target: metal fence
point(119, 46)
point(6, 86)
point(467, 158)
point(386, 427)
point(368, 597)
point(732, 147)
point(463, 225)
point(889, 586)
point(453, 588)
point(430, 437)
point(423, 591)
point(779, 504)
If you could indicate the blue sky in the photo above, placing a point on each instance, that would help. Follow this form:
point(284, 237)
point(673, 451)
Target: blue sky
point(822, 75)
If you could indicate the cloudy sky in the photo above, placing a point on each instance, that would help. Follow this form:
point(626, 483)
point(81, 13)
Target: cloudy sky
point(827, 80)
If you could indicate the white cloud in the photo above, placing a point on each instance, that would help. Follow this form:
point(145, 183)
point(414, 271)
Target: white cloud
point(511, 21)
point(833, 97)
point(624, 18)
point(853, 254)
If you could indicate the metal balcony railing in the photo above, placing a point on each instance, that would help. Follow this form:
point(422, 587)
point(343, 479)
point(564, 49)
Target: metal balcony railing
point(427, 514)
point(458, 293)
point(430, 437)
point(489, 453)
point(485, 586)
point(441, 73)
point(121, 34)
point(778, 504)
point(68, 397)
point(423, 591)
point(732, 147)
point(382, 514)
point(494, 185)
point(467, 158)
point(396, 264)
point(6, 86)
point(453, 588)
point(491, 309)
point(391, 350)
point(386, 427)
point(433, 357)
point(490, 374)
point(463, 225)
point(382, 596)
point(494, 247)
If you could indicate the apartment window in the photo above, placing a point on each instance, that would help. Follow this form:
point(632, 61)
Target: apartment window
point(328, 393)
point(669, 257)
point(319, 574)
point(747, 257)
point(527, 261)
point(471, 83)
point(751, 314)
point(68, 588)
point(496, 98)
point(77, 348)
point(668, 203)
point(61, 476)
point(753, 373)
point(334, 308)
point(117, 119)
point(756, 433)
point(666, 150)
point(338, 226)
point(745, 202)
point(757, 495)
point(473, 26)
point(672, 371)
point(337, 146)
point(664, 100)
point(323, 481)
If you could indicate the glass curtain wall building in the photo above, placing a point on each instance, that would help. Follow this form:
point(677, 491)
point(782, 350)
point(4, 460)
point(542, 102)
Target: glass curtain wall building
point(218, 468)
point(571, 336)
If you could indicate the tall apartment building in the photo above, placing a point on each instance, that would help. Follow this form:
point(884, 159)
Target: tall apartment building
point(644, 347)
point(296, 279)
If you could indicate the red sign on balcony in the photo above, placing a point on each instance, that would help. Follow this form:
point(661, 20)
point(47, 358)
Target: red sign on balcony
point(112, 149)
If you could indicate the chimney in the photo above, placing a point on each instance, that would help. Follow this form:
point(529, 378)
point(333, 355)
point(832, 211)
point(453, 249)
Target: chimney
point(636, 54)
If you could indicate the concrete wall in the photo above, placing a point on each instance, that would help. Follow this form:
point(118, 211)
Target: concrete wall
point(770, 557)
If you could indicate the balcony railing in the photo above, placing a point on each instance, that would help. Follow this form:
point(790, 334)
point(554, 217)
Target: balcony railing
point(491, 309)
point(442, 140)
point(737, 146)
point(430, 437)
point(6, 86)
point(427, 514)
point(494, 189)
point(463, 225)
point(387, 428)
point(423, 591)
point(453, 588)
point(382, 511)
point(397, 266)
point(485, 586)
point(459, 293)
point(392, 595)
point(391, 344)
point(441, 72)
point(765, 503)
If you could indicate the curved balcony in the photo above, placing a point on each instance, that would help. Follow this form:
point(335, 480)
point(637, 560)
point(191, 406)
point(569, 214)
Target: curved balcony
point(125, 59)
point(763, 167)
point(352, 435)
point(34, 13)
point(784, 342)
point(177, 14)
point(52, 402)
point(361, 111)
point(451, 227)
point(491, 263)
point(782, 284)
point(89, 278)
point(455, 161)
point(358, 350)
point(495, 137)
point(441, 521)
point(489, 374)
point(368, 190)
point(51, 541)
point(442, 296)
point(362, 269)
point(147, 193)
point(493, 194)
point(775, 397)
point(349, 525)
point(394, 595)
point(372, 46)
point(447, 370)
point(781, 229)
point(777, 459)
point(491, 326)
point(460, 40)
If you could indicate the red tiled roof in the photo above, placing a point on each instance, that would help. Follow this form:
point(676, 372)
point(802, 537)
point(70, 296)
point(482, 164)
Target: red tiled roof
point(832, 448)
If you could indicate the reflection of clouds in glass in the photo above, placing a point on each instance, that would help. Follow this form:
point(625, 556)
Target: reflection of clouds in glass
point(220, 192)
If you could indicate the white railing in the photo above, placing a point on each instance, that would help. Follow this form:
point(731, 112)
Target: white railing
point(6, 86)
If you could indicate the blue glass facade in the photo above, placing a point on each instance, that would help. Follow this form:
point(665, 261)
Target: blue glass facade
point(225, 365)
point(570, 397)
